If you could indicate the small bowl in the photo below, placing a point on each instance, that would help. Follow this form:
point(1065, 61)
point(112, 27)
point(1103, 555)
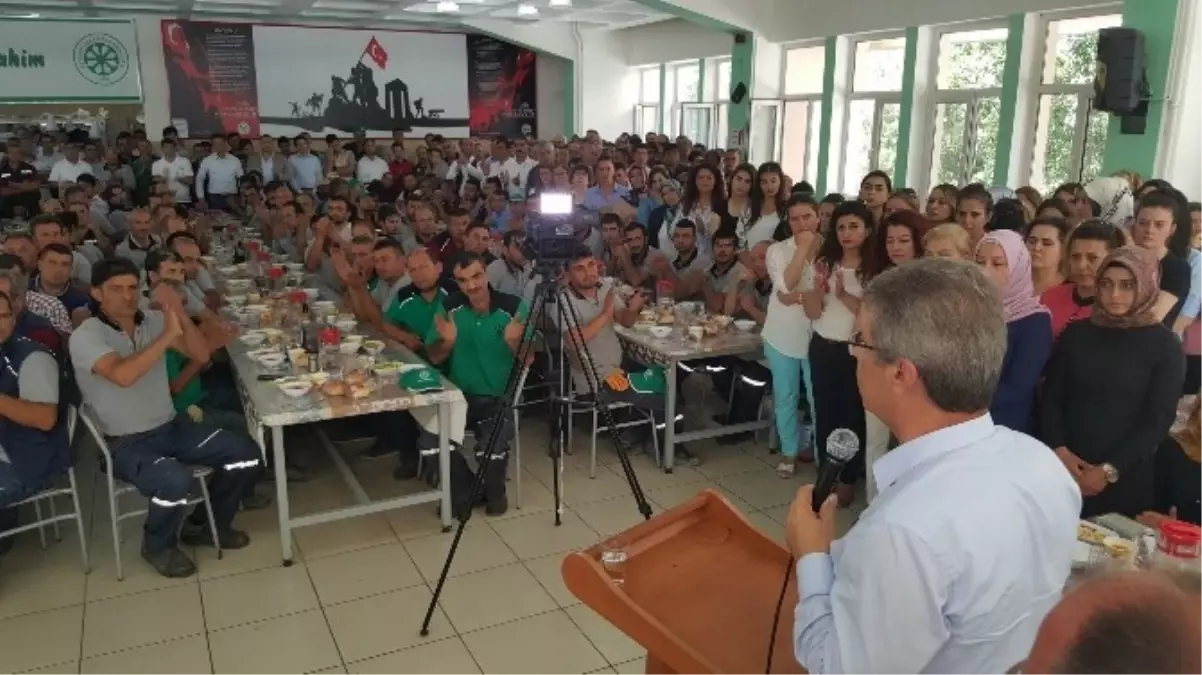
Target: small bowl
point(228, 270)
point(350, 347)
point(298, 357)
point(296, 388)
point(744, 325)
point(272, 360)
point(236, 300)
point(660, 331)
point(373, 347)
point(253, 338)
point(346, 325)
point(312, 294)
point(323, 306)
point(294, 266)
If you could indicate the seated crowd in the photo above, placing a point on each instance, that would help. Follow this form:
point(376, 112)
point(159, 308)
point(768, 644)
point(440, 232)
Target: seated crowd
point(103, 292)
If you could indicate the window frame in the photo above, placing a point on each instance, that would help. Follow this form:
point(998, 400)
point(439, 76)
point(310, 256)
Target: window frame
point(812, 101)
point(1083, 92)
point(784, 69)
point(880, 99)
point(971, 97)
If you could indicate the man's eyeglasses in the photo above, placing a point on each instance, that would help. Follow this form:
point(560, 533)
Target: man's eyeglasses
point(857, 340)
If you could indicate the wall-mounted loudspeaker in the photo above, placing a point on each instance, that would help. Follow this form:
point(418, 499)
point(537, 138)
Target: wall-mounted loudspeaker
point(1120, 82)
point(738, 93)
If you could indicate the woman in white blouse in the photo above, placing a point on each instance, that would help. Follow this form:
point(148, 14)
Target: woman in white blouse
point(840, 270)
point(768, 200)
point(787, 329)
point(704, 202)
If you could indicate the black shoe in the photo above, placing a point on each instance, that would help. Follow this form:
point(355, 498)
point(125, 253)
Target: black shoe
point(497, 505)
point(201, 535)
point(406, 470)
point(171, 563)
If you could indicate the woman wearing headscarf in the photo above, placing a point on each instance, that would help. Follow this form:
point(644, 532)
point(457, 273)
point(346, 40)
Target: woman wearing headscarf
point(1006, 260)
point(1112, 385)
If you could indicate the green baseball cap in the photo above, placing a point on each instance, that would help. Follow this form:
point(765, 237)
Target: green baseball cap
point(420, 379)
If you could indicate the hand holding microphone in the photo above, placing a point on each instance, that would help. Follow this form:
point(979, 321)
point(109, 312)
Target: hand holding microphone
point(811, 524)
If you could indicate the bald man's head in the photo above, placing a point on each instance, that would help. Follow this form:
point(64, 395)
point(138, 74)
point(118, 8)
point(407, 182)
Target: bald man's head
point(1127, 622)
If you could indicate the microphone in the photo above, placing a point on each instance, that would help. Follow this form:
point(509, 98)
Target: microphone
point(841, 446)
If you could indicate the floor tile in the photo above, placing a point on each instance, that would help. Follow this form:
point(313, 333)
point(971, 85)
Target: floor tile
point(536, 498)
point(536, 535)
point(610, 516)
point(26, 588)
point(667, 498)
point(358, 574)
point(444, 656)
point(416, 521)
point(384, 623)
point(652, 477)
point(255, 596)
point(263, 552)
point(613, 644)
point(547, 571)
point(139, 575)
point(344, 535)
point(142, 619)
point(769, 526)
point(634, 667)
point(494, 596)
point(578, 488)
point(43, 639)
point(297, 643)
point(727, 462)
point(762, 489)
point(332, 670)
point(69, 667)
point(189, 655)
point(480, 548)
point(547, 643)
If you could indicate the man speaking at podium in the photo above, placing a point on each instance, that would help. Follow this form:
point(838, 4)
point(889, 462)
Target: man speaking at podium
point(970, 539)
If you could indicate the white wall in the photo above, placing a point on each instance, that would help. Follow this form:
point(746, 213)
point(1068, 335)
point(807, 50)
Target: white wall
point(672, 40)
point(551, 75)
point(607, 86)
point(805, 19)
point(1179, 159)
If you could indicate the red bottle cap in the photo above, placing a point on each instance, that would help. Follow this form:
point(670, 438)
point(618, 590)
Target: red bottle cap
point(299, 297)
point(264, 256)
point(330, 336)
point(276, 272)
point(253, 246)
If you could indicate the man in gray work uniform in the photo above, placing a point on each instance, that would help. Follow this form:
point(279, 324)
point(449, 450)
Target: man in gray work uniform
point(118, 356)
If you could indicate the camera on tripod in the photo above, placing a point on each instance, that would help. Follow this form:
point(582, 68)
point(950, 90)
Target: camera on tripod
point(555, 233)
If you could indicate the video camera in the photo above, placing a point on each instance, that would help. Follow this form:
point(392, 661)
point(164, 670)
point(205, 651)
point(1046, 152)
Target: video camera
point(553, 238)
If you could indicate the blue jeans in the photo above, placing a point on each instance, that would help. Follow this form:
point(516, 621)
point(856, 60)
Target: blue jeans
point(157, 463)
point(12, 490)
point(787, 377)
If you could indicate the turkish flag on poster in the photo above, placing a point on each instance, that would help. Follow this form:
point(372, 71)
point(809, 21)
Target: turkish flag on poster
point(377, 53)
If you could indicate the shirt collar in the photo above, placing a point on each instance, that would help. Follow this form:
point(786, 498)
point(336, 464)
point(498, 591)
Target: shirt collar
point(682, 262)
point(901, 460)
point(718, 271)
point(104, 318)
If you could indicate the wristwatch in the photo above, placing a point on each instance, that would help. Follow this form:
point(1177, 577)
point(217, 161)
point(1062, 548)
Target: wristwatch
point(1112, 474)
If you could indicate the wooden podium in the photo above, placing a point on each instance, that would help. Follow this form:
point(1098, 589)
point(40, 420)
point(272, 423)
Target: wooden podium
point(700, 591)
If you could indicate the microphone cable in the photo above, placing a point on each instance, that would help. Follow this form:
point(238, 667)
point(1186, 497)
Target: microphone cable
point(780, 601)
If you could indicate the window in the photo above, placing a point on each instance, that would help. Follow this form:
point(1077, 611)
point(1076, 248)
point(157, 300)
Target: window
point(1070, 136)
point(800, 117)
point(969, 71)
point(688, 83)
point(722, 75)
point(873, 110)
point(804, 67)
point(649, 85)
point(646, 113)
point(878, 65)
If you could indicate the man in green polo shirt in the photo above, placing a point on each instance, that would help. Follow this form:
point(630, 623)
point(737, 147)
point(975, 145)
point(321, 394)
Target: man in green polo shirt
point(476, 333)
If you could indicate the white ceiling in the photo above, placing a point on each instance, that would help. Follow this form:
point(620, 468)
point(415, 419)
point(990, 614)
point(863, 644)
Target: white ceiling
point(588, 13)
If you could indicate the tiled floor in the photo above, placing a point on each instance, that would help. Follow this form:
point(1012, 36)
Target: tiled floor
point(354, 600)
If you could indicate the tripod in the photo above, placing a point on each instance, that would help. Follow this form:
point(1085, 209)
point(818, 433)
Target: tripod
point(550, 299)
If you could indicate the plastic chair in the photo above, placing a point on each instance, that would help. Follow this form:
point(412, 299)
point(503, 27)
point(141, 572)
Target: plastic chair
point(116, 488)
point(49, 494)
point(645, 418)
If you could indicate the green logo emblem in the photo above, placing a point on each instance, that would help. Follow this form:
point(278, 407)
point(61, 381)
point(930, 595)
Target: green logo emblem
point(101, 59)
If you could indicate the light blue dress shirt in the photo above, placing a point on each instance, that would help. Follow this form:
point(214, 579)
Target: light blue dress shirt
point(306, 172)
point(595, 200)
point(952, 567)
point(1192, 306)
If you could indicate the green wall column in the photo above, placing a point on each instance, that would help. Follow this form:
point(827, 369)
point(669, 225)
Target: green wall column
point(1157, 20)
point(1011, 76)
point(569, 99)
point(828, 109)
point(902, 163)
point(742, 69)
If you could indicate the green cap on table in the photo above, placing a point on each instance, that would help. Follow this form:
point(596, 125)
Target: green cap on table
point(420, 380)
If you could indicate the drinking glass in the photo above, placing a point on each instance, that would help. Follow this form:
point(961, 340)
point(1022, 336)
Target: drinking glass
point(613, 559)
